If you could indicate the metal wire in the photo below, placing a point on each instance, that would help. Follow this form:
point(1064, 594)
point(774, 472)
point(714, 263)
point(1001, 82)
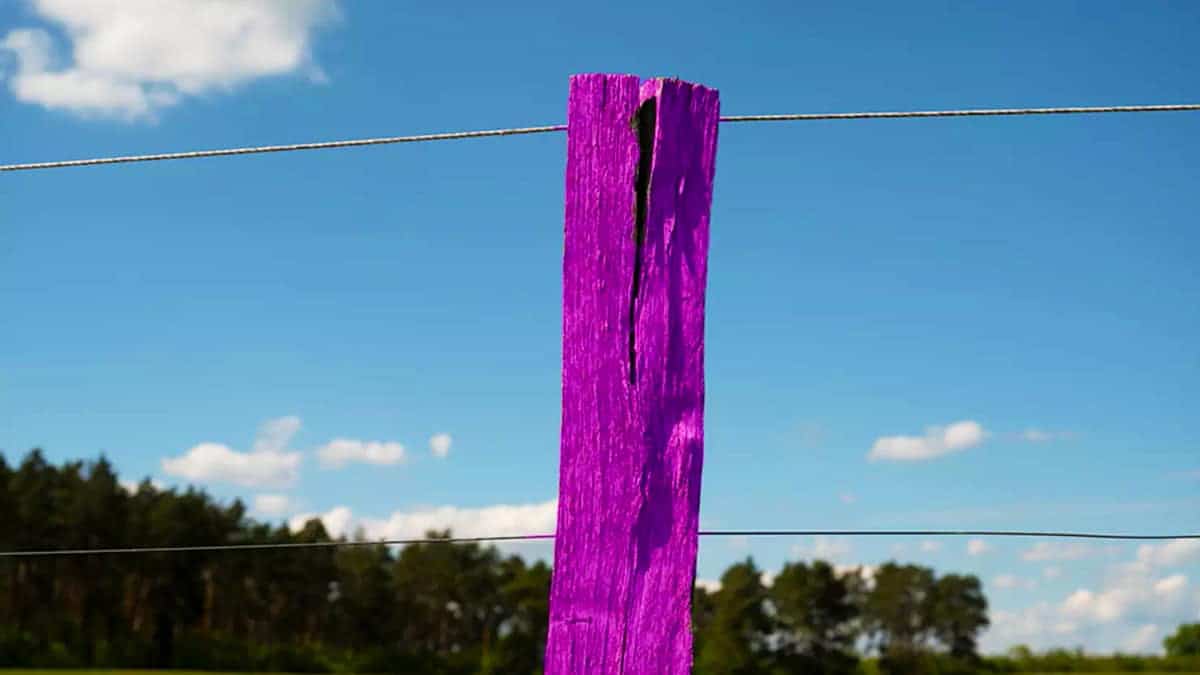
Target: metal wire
point(324, 145)
point(541, 537)
point(801, 117)
point(945, 533)
point(269, 546)
point(981, 112)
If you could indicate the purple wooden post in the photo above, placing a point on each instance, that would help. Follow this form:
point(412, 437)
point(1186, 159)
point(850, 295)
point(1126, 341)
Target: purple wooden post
point(640, 166)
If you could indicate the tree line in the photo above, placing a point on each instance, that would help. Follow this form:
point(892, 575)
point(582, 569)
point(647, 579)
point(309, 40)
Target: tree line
point(446, 609)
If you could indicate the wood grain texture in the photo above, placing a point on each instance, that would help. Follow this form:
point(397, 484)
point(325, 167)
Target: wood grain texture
point(632, 434)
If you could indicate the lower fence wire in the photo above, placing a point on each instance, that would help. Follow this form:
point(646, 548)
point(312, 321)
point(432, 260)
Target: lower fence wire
point(543, 537)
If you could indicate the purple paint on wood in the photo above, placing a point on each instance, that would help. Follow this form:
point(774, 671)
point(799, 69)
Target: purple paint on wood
point(632, 434)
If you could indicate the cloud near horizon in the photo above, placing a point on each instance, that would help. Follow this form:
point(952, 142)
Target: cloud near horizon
point(341, 451)
point(1135, 605)
point(496, 520)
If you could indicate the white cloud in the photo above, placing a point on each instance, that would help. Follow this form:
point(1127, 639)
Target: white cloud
point(823, 548)
point(1145, 638)
point(1132, 597)
point(439, 445)
point(937, 442)
point(340, 451)
point(273, 504)
point(130, 59)
point(498, 520)
point(1100, 606)
point(930, 546)
point(710, 585)
point(1175, 552)
point(268, 465)
point(1048, 550)
point(217, 463)
point(1008, 581)
point(1031, 625)
point(1129, 592)
point(337, 521)
point(976, 547)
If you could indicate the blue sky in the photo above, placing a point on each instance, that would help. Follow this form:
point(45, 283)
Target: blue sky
point(1016, 296)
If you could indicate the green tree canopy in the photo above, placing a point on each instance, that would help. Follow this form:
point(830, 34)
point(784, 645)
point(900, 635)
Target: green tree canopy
point(435, 608)
point(817, 619)
point(733, 640)
point(1185, 641)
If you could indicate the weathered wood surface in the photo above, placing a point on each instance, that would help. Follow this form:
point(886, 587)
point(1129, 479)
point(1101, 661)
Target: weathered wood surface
point(634, 271)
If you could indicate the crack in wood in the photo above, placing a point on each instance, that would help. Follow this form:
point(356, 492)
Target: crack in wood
point(644, 123)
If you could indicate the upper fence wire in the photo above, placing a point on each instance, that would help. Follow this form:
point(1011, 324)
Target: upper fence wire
point(520, 131)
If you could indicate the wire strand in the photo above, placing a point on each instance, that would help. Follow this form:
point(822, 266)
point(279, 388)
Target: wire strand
point(543, 537)
point(945, 533)
point(800, 117)
point(269, 546)
point(324, 145)
point(980, 112)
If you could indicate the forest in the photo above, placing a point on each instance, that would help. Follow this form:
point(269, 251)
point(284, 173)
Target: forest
point(436, 608)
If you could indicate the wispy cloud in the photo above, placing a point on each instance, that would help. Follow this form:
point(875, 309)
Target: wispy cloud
point(1010, 581)
point(273, 504)
point(274, 435)
point(1144, 639)
point(341, 451)
point(439, 445)
point(977, 547)
point(823, 548)
point(1045, 436)
point(1051, 550)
